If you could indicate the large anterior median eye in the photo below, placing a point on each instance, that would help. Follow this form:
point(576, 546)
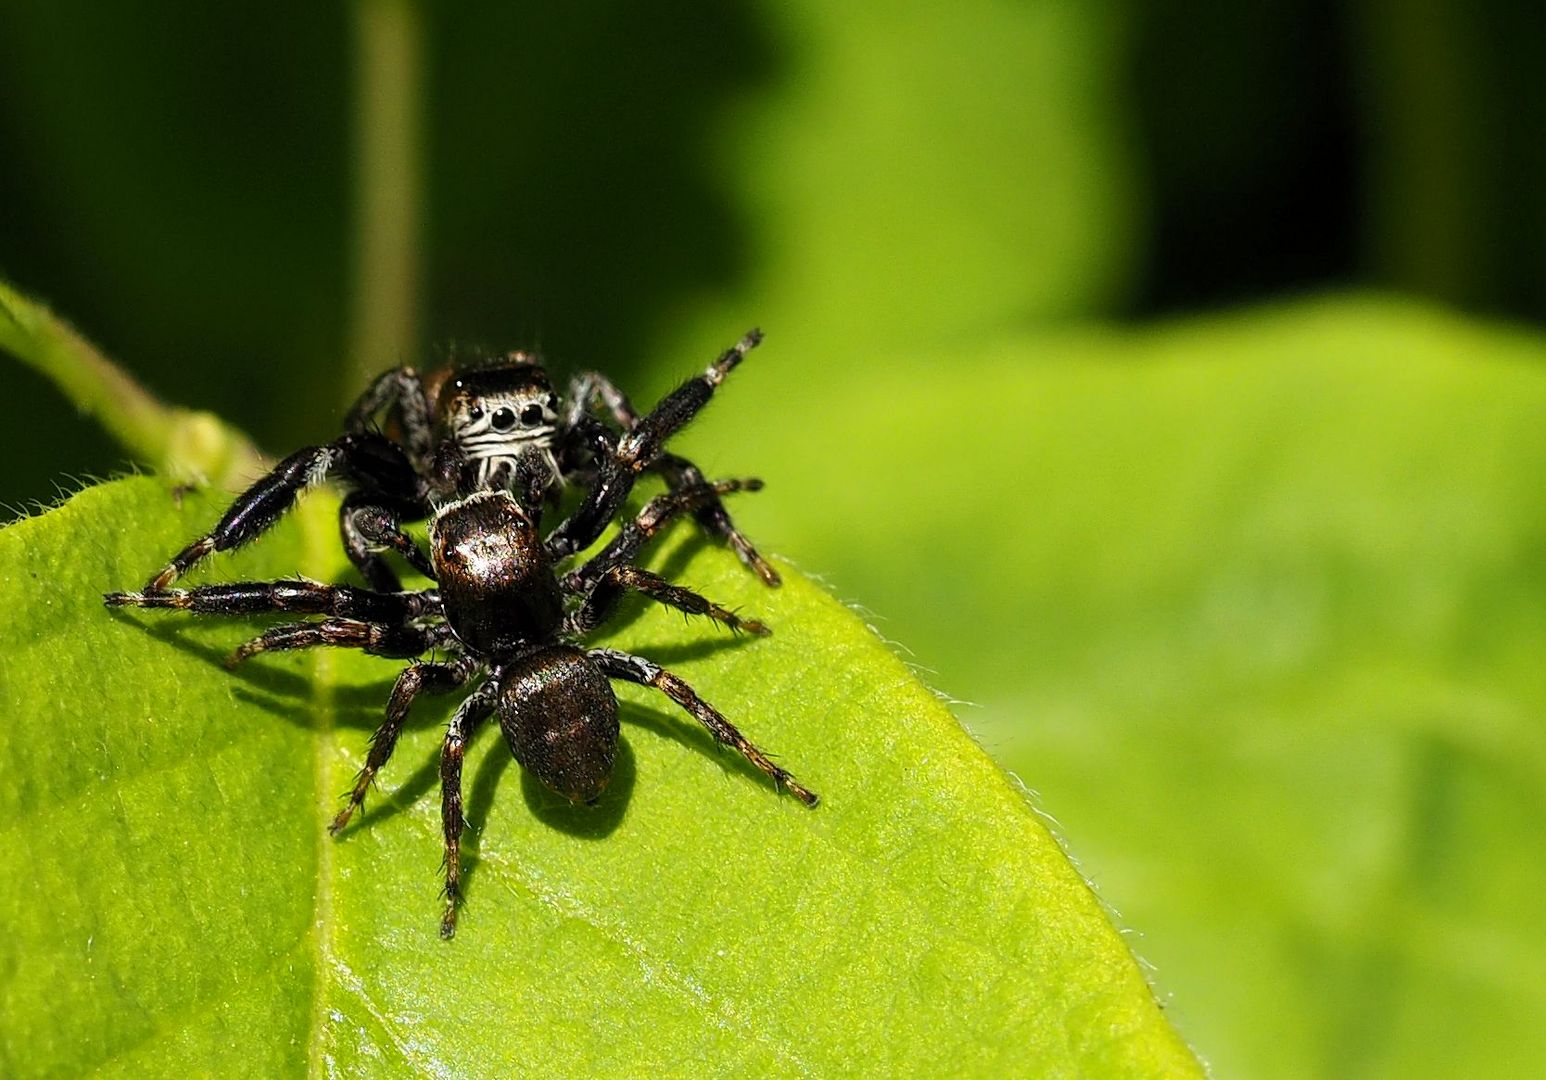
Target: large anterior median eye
point(503, 418)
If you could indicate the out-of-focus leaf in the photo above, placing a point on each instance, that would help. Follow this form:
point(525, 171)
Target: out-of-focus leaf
point(173, 905)
point(919, 174)
point(1258, 604)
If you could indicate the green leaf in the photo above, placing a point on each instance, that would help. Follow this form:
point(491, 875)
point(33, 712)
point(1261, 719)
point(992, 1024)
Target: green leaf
point(1257, 604)
point(919, 174)
point(172, 903)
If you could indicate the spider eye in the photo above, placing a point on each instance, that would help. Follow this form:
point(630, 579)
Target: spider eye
point(503, 419)
point(531, 416)
point(552, 402)
point(475, 413)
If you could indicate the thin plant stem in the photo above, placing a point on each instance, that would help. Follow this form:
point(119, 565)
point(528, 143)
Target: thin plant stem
point(384, 317)
point(188, 444)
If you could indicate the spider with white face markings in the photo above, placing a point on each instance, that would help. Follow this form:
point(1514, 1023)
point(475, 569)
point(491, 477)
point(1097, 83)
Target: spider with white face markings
point(494, 426)
point(502, 615)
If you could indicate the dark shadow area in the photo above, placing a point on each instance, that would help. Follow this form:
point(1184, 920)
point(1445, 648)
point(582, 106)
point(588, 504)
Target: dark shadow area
point(701, 647)
point(1247, 119)
point(594, 822)
point(1497, 118)
point(674, 565)
point(283, 692)
point(174, 184)
point(300, 711)
point(48, 449)
point(673, 568)
point(570, 199)
point(704, 636)
point(385, 803)
point(178, 185)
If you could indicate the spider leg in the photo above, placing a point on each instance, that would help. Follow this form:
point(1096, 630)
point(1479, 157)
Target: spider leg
point(396, 641)
point(637, 449)
point(422, 677)
point(372, 462)
point(713, 518)
point(402, 391)
point(657, 513)
point(605, 594)
point(468, 715)
point(636, 669)
point(369, 528)
point(592, 388)
point(294, 595)
point(378, 623)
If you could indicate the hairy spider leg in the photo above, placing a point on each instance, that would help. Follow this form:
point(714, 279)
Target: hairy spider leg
point(372, 464)
point(478, 705)
point(423, 677)
point(377, 623)
point(602, 580)
point(358, 544)
point(400, 392)
point(593, 388)
point(637, 449)
point(715, 519)
point(394, 641)
point(636, 669)
point(369, 528)
point(290, 596)
point(657, 513)
point(604, 595)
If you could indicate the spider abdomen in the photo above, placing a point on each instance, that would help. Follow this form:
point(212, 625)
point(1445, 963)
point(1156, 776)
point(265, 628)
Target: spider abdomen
point(559, 716)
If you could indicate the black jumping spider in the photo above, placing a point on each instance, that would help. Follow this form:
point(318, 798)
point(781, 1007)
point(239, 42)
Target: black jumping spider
point(495, 426)
point(500, 610)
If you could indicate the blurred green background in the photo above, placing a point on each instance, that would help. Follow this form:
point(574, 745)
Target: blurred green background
point(1143, 369)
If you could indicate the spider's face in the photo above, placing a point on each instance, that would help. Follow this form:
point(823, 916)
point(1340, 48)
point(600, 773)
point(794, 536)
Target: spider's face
point(493, 411)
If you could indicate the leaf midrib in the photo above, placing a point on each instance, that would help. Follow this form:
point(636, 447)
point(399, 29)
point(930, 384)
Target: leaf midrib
point(316, 565)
